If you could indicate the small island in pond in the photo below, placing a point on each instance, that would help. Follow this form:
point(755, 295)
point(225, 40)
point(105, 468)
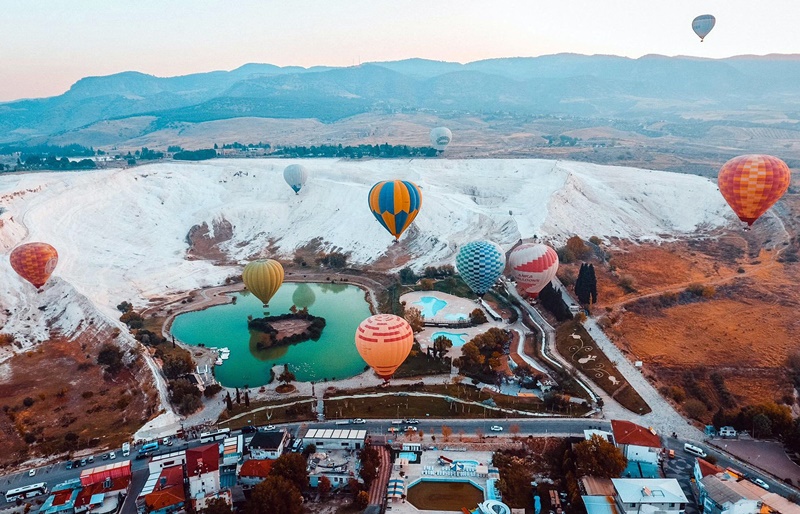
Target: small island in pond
point(286, 329)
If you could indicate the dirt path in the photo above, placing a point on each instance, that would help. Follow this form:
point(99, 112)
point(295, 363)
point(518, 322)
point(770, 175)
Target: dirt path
point(377, 490)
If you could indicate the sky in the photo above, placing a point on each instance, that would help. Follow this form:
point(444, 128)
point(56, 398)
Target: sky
point(47, 45)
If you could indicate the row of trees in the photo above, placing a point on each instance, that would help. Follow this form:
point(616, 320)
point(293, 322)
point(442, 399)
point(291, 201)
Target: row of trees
point(407, 275)
point(357, 152)
point(481, 355)
point(51, 162)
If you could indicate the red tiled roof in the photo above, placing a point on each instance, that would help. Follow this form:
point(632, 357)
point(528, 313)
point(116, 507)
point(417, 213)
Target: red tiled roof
point(163, 498)
point(173, 476)
point(62, 497)
point(256, 468)
point(706, 468)
point(203, 459)
point(86, 493)
point(626, 432)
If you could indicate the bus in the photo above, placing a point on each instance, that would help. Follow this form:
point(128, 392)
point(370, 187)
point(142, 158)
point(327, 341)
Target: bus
point(149, 447)
point(216, 435)
point(26, 491)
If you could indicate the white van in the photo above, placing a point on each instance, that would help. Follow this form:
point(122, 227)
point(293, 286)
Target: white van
point(694, 450)
point(727, 432)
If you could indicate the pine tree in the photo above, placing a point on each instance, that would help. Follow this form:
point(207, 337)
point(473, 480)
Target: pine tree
point(582, 287)
point(592, 279)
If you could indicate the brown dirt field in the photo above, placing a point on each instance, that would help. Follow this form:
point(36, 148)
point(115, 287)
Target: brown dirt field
point(70, 395)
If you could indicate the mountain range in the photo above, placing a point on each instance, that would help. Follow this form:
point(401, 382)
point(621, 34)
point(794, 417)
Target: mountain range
point(597, 86)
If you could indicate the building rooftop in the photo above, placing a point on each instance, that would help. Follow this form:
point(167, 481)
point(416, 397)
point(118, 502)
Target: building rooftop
point(256, 468)
point(164, 489)
point(596, 486)
point(723, 489)
point(600, 504)
point(706, 468)
point(339, 462)
point(203, 459)
point(626, 432)
point(101, 473)
point(267, 440)
point(95, 493)
point(649, 490)
point(335, 433)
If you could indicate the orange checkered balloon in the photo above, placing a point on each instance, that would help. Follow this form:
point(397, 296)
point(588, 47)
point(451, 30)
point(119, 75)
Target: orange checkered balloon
point(751, 184)
point(34, 262)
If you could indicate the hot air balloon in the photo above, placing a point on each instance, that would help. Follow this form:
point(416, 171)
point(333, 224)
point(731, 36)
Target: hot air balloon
point(533, 266)
point(395, 204)
point(34, 262)
point(441, 137)
point(263, 278)
point(295, 175)
point(751, 184)
point(384, 341)
point(480, 264)
point(702, 25)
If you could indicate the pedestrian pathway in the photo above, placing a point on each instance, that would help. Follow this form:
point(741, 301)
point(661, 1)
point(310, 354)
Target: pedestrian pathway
point(377, 490)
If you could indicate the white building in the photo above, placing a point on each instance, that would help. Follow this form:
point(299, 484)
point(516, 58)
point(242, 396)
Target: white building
point(649, 496)
point(637, 443)
point(722, 494)
point(335, 439)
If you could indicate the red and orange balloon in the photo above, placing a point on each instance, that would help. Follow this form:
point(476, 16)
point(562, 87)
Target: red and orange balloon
point(34, 262)
point(751, 184)
point(384, 341)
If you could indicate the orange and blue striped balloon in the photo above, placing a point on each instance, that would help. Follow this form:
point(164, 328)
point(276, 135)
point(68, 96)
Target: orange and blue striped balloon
point(395, 204)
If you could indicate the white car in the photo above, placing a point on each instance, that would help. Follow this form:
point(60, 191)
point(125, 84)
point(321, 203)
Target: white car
point(112, 455)
point(270, 427)
point(359, 421)
point(411, 429)
point(496, 428)
point(31, 472)
point(760, 483)
point(411, 422)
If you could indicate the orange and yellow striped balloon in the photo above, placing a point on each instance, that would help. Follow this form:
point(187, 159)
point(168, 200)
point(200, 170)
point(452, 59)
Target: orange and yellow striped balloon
point(751, 184)
point(384, 341)
point(34, 262)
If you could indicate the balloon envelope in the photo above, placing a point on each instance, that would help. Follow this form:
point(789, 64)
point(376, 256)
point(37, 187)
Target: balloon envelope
point(480, 263)
point(441, 137)
point(395, 204)
point(533, 266)
point(263, 278)
point(703, 24)
point(384, 341)
point(751, 184)
point(34, 262)
point(295, 175)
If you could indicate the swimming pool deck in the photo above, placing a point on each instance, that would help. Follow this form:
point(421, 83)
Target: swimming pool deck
point(429, 469)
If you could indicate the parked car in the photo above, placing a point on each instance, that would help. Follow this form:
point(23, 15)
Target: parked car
point(269, 427)
point(250, 429)
point(672, 454)
point(90, 459)
point(105, 456)
point(411, 429)
point(69, 464)
point(167, 441)
point(31, 472)
point(76, 464)
point(496, 428)
point(112, 455)
point(756, 481)
point(359, 421)
point(411, 421)
point(83, 462)
point(392, 430)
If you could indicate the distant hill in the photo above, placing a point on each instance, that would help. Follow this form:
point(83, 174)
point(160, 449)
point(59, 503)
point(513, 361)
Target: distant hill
point(600, 86)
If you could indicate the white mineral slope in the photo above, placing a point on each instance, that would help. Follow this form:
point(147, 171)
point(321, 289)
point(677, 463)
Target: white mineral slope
point(121, 234)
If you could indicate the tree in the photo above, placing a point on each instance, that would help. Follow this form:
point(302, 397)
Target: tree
point(238, 396)
point(361, 500)
point(309, 449)
point(407, 276)
point(287, 376)
point(292, 467)
point(578, 248)
point(415, 319)
point(441, 345)
point(229, 401)
point(479, 433)
point(175, 366)
point(111, 357)
point(515, 482)
point(246, 400)
point(427, 284)
point(600, 458)
point(275, 495)
point(370, 461)
point(446, 432)
point(217, 506)
point(324, 486)
point(762, 426)
point(514, 429)
point(477, 317)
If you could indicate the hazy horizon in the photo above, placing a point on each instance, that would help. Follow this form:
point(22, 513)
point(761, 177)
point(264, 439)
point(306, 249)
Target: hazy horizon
point(51, 45)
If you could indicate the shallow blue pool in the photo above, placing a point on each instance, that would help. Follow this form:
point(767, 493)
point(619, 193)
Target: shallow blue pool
point(411, 456)
point(430, 305)
point(456, 339)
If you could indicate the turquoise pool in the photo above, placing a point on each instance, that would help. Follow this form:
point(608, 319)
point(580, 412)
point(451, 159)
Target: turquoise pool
point(334, 355)
point(456, 339)
point(430, 305)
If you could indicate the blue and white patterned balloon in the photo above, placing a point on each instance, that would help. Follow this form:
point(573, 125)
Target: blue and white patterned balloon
point(480, 264)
